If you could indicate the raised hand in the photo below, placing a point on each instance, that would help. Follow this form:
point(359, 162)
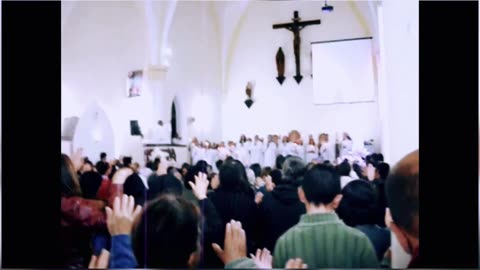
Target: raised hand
point(121, 175)
point(388, 218)
point(235, 245)
point(215, 183)
point(120, 219)
point(295, 264)
point(263, 259)
point(100, 262)
point(258, 197)
point(77, 159)
point(200, 187)
point(269, 185)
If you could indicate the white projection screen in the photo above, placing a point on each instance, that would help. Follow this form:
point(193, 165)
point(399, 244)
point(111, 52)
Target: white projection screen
point(343, 71)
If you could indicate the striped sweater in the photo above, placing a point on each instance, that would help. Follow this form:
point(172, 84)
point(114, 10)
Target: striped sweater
point(324, 241)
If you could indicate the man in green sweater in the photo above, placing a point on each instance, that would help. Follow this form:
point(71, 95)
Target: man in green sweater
point(321, 239)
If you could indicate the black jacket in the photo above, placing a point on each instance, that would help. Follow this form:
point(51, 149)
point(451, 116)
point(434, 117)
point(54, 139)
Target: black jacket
point(279, 211)
point(379, 185)
point(159, 185)
point(239, 206)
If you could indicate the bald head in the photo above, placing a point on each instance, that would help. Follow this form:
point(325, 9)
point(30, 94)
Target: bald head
point(402, 193)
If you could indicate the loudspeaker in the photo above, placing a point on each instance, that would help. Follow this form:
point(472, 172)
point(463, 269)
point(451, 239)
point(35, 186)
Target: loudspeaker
point(135, 128)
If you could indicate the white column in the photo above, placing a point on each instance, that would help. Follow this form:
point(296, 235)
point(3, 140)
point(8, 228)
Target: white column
point(398, 89)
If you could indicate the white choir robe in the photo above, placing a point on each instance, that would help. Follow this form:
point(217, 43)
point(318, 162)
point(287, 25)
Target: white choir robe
point(325, 153)
point(223, 153)
point(294, 149)
point(212, 157)
point(270, 155)
point(346, 148)
point(243, 154)
point(200, 154)
point(256, 151)
point(312, 153)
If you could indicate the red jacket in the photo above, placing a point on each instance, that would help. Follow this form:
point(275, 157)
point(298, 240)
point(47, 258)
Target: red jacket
point(80, 218)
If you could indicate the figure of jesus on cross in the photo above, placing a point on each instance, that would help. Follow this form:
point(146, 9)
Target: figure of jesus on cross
point(296, 26)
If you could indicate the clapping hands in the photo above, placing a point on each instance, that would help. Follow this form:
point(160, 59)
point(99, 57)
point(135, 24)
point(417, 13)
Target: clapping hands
point(295, 264)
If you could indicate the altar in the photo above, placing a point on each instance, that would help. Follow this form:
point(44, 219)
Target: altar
point(180, 153)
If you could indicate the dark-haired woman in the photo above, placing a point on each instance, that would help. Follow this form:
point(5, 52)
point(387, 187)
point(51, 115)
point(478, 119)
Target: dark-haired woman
point(79, 216)
point(358, 209)
point(235, 199)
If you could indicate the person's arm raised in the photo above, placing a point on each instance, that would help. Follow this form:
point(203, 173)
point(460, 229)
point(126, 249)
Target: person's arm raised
point(120, 223)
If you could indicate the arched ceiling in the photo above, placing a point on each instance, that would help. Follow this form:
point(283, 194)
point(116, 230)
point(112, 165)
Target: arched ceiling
point(227, 16)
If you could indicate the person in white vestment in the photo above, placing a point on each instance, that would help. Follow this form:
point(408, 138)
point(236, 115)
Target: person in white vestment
point(212, 154)
point(257, 150)
point(294, 146)
point(162, 133)
point(312, 151)
point(282, 146)
point(199, 154)
point(346, 144)
point(223, 152)
point(324, 148)
point(243, 153)
point(271, 151)
point(232, 150)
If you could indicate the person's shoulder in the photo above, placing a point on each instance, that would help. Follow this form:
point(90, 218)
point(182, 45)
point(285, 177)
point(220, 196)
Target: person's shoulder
point(293, 230)
point(354, 232)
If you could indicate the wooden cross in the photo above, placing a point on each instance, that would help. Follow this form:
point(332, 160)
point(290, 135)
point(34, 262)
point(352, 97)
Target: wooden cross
point(295, 27)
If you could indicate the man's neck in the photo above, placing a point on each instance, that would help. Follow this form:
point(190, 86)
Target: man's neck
point(319, 209)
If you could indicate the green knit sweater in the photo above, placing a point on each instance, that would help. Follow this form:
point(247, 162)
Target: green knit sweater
point(324, 241)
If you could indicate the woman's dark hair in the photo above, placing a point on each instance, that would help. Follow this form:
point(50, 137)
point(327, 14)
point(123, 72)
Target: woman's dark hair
point(359, 204)
point(149, 165)
point(279, 162)
point(276, 176)
point(219, 164)
point(69, 185)
point(344, 168)
point(383, 170)
point(293, 169)
point(358, 170)
point(90, 183)
point(167, 233)
point(186, 166)
point(127, 161)
point(201, 166)
point(103, 155)
point(257, 169)
point(266, 171)
point(102, 167)
point(135, 187)
point(233, 177)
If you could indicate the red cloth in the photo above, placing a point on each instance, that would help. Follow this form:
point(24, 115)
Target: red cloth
point(415, 262)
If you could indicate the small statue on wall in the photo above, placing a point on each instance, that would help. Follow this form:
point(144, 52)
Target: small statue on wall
point(249, 91)
point(280, 59)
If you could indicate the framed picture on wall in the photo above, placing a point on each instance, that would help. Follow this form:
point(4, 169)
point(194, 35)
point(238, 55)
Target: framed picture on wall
point(134, 83)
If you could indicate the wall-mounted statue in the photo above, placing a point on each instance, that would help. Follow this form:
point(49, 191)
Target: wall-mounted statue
point(249, 91)
point(280, 59)
point(296, 26)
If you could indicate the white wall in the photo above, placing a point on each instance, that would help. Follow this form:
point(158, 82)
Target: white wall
point(280, 108)
point(398, 93)
point(103, 41)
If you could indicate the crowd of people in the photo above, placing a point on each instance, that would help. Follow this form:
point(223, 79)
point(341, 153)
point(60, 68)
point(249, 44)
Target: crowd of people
point(293, 213)
point(264, 153)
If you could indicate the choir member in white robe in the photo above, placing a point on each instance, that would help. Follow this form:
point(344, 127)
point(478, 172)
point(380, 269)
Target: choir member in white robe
point(232, 150)
point(243, 153)
point(311, 149)
point(347, 145)
point(200, 154)
point(256, 151)
point(325, 149)
point(223, 152)
point(282, 146)
point(212, 155)
point(294, 147)
point(271, 152)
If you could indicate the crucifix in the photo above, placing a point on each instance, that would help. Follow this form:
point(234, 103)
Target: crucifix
point(295, 27)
